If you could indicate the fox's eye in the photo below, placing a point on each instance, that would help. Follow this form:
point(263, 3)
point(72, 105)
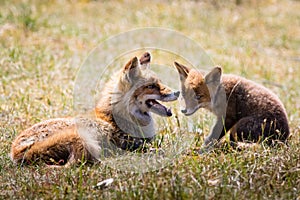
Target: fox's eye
point(151, 86)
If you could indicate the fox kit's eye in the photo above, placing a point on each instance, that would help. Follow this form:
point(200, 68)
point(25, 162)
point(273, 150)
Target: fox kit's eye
point(198, 96)
point(183, 93)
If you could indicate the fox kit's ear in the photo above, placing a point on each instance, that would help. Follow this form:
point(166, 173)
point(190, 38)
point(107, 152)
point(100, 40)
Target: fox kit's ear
point(132, 70)
point(214, 76)
point(182, 70)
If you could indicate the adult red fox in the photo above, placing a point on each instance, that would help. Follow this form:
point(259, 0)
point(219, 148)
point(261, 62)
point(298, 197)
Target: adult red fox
point(122, 120)
point(249, 111)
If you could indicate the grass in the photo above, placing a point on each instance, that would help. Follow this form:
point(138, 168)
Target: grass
point(42, 46)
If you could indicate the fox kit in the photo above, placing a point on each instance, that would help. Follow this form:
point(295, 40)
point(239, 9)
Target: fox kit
point(248, 110)
point(122, 120)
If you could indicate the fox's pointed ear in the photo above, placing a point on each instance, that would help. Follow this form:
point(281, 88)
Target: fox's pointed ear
point(182, 70)
point(214, 76)
point(132, 70)
point(145, 60)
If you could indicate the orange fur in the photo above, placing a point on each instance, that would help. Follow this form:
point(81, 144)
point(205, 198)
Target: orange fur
point(64, 141)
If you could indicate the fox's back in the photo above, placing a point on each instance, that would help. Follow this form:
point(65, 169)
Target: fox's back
point(247, 98)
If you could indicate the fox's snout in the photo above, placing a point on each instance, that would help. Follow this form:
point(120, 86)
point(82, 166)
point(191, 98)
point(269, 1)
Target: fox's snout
point(171, 96)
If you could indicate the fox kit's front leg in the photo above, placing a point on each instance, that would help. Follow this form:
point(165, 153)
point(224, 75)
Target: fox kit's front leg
point(216, 132)
point(218, 107)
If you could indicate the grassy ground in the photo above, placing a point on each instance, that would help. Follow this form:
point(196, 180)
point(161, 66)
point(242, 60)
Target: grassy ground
point(43, 44)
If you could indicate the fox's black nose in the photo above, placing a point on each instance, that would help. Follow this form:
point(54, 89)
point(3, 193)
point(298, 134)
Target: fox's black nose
point(177, 93)
point(184, 111)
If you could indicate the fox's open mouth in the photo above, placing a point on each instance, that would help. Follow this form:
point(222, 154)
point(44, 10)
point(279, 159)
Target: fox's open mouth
point(158, 108)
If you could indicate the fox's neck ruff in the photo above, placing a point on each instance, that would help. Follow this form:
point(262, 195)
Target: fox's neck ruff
point(127, 134)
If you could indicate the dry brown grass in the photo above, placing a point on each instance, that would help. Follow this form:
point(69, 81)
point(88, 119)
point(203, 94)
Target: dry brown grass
point(42, 45)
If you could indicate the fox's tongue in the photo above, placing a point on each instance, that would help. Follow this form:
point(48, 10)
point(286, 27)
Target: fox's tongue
point(159, 109)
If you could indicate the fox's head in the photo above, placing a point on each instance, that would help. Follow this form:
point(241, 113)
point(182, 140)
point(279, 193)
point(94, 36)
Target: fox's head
point(198, 90)
point(139, 91)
